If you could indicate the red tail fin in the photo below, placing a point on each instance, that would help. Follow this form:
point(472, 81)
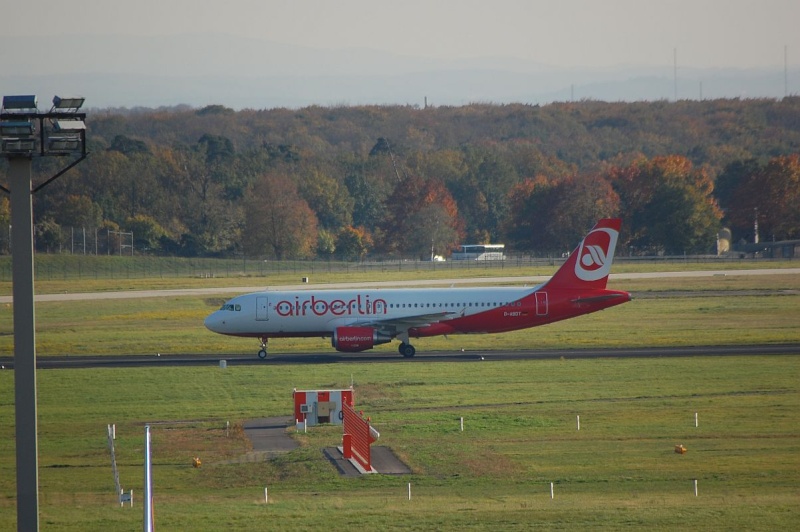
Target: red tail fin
point(588, 266)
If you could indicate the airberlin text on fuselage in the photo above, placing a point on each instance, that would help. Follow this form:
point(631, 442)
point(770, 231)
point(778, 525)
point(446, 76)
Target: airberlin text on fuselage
point(338, 307)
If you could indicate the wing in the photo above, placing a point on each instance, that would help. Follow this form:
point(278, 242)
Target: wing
point(406, 322)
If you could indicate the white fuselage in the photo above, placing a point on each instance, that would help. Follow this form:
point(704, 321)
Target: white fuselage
point(319, 313)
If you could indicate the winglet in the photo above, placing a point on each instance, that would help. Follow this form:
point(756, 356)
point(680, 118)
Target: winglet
point(587, 268)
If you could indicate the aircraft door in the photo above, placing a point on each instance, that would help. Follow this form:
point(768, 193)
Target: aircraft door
point(262, 304)
point(541, 304)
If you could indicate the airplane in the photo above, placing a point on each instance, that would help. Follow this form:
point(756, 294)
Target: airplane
point(359, 319)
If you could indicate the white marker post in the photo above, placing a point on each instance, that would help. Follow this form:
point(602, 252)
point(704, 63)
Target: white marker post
point(579, 422)
point(148, 483)
point(266, 496)
point(552, 494)
point(695, 420)
point(409, 491)
point(462, 424)
point(695, 487)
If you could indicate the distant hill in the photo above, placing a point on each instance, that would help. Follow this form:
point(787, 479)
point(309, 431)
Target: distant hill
point(120, 71)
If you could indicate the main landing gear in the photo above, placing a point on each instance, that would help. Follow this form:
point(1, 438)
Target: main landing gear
point(262, 353)
point(407, 350)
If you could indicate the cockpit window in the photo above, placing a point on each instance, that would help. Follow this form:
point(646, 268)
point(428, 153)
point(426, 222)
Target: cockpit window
point(231, 307)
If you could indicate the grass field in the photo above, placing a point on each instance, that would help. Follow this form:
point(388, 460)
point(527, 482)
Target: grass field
point(618, 472)
point(719, 310)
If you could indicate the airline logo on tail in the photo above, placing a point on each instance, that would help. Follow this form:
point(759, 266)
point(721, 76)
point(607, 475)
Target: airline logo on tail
point(594, 255)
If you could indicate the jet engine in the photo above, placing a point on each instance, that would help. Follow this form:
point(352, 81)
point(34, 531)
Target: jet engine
point(355, 339)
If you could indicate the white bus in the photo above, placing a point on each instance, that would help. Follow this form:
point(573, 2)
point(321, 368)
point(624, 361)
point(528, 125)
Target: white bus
point(479, 252)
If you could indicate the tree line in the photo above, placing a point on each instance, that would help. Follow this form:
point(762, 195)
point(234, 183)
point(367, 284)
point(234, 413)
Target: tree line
point(348, 182)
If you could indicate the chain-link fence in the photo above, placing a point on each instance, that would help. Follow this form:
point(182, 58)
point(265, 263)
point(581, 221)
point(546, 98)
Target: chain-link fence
point(80, 253)
point(63, 266)
point(53, 238)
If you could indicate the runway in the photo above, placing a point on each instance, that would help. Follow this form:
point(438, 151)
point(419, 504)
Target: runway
point(128, 361)
point(64, 362)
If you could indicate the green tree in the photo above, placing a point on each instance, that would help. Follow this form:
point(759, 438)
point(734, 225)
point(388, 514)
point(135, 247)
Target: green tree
point(47, 235)
point(79, 211)
point(482, 193)
point(210, 218)
point(369, 194)
point(330, 201)
point(148, 235)
point(129, 146)
point(326, 243)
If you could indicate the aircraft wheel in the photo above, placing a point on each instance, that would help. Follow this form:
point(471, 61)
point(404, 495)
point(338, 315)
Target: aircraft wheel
point(407, 350)
point(262, 354)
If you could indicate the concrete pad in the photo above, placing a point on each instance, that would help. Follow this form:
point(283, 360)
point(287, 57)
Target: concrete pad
point(269, 437)
point(345, 467)
point(384, 462)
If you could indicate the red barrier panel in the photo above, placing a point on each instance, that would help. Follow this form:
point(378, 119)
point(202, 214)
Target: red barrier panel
point(358, 430)
point(347, 446)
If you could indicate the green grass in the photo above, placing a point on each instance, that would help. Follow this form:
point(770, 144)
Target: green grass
point(618, 471)
point(713, 311)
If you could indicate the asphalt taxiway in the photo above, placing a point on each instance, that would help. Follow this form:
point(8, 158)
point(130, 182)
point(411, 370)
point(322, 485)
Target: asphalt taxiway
point(164, 360)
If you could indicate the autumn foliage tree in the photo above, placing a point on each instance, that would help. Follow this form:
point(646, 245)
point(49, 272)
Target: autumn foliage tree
point(197, 174)
point(552, 215)
point(278, 223)
point(421, 215)
point(353, 243)
point(772, 192)
point(668, 205)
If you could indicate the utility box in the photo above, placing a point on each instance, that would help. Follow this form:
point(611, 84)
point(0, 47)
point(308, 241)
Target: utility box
point(312, 407)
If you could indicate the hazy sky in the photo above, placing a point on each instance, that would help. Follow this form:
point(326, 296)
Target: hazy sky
point(563, 33)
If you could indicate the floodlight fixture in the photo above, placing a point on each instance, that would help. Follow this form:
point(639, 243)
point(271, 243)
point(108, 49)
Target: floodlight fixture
point(20, 103)
point(74, 103)
point(12, 146)
point(17, 137)
point(74, 126)
point(66, 144)
point(19, 128)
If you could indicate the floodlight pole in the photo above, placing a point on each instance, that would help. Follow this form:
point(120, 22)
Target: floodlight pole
point(25, 401)
point(24, 345)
